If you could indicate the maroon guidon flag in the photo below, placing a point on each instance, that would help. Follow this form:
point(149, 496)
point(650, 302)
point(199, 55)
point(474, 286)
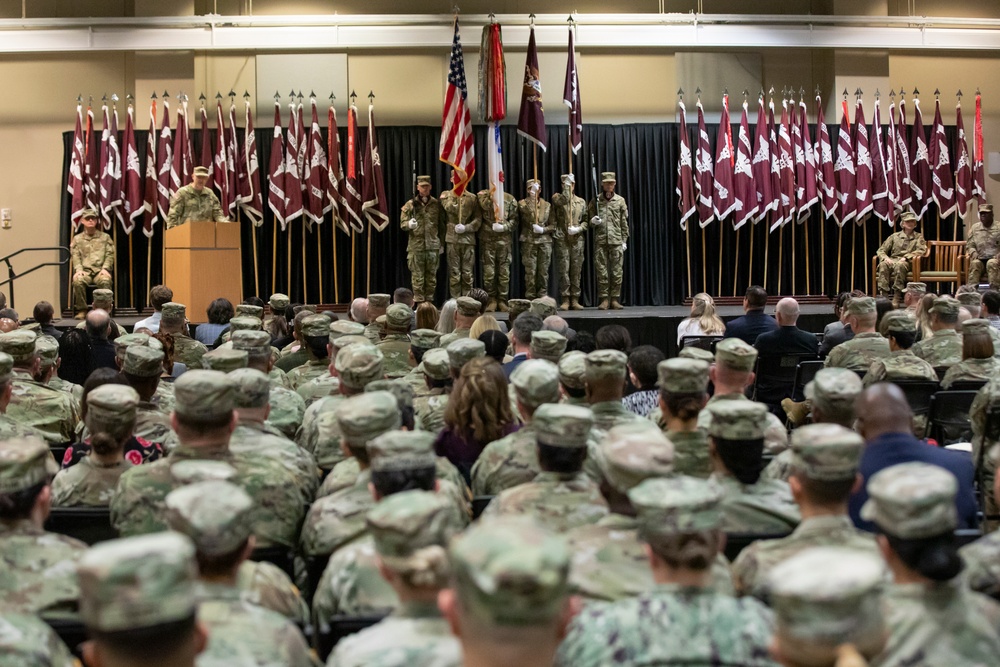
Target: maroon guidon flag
point(891, 164)
point(233, 159)
point(766, 202)
point(826, 180)
point(375, 207)
point(335, 178)
point(862, 165)
point(943, 188)
point(317, 185)
point(207, 155)
point(964, 185)
point(251, 202)
point(111, 170)
point(806, 193)
point(745, 192)
point(150, 192)
point(92, 182)
point(74, 182)
point(881, 202)
point(293, 178)
point(978, 168)
point(571, 97)
point(903, 158)
point(847, 204)
point(220, 162)
point(276, 200)
point(920, 175)
point(723, 194)
point(705, 182)
point(531, 117)
point(686, 202)
point(777, 215)
point(132, 178)
point(787, 166)
point(352, 180)
point(164, 162)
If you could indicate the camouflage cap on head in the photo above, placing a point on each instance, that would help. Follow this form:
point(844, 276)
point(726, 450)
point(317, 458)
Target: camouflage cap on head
point(6, 367)
point(436, 364)
point(380, 321)
point(423, 178)
point(24, 462)
point(679, 504)
point(735, 354)
point(737, 420)
point(225, 359)
point(142, 361)
point(608, 177)
point(986, 208)
point(815, 615)
point(214, 514)
point(945, 305)
point(692, 352)
point(341, 328)
point(974, 299)
point(91, 214)
point(510, 572)
point(468, 306)
point(249, 310)
point(976, 326)
point(47, 348)
point(251, 342)
point(424, 339)
point(633, 452)
point(367, 416)
point(110, 403)
point(542, 307)
point(200, 171)
point(535, 382)
point(916, 288)
point(278, 303)
point(573, 369)
point(683, 376)
point(19, 344)
point(103, 295)
point(826, 451)
point(899, 321)
point(378, 300)
point(128, 340)
point(606, 366)
point(204, 396)
point(253, 388)
point(912, 500)
point(834, 386)
point(861, 305)
point(907, 216)
point(464, 350)
point(190, 471)
point(411, 531)
point(516, 307)
point(562, 425)
point(173, 311)
point(359, 364)
point(400, 389)
point(402, 450)
point(399, 317)
point(316, 326)
point(244, 322)
point(137, 582)
point(548, 345)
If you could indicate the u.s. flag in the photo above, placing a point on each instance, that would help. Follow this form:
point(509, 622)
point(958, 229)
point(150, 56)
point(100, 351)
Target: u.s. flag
point(457, 148)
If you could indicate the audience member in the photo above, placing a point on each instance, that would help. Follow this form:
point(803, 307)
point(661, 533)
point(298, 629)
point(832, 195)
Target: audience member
point(480, 295)
point(403, 295)
point(295, 354)
point(496, 344)
point(642, 363)
point(605, 382)
point(883, 305)
point(702, 321)
point(747, 327)
point(924, 317)
point(77, 358)
point(7, 325)
point(520, 339)
point(219, 312)
point(43, 314)
point(978, 362)
point(468, 310)
point(912, 295)
point(901, 364)
point(482, 324)
point(583, 341)
point(787, 339)
point(683, 385)
point(10, 314)
point(102, 351)
point(859, 353)
point(559, 325)
point(547, 345)
point(359, 311)
point(991, 307)
point(839, 330)
point(159, 295)
point(613, 337)
point(446, 319)
point(944, 346)
point(427, 316)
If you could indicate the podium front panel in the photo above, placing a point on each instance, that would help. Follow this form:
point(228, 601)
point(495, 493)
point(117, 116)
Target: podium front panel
point(199, 276)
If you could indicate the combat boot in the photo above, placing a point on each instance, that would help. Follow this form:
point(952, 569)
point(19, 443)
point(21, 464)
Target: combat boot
point(575, 305)
point(502, 306)
point(796, 411)
point(565, 304)
point(491, 306)
point(897, 298)
point(80, 314)
point(615, 305)
point(603, 305)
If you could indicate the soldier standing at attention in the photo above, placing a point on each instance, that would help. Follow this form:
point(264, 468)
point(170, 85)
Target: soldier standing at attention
point(569, 211)
point(896, 255)
point(981, 248)
point(537, 228)
point(464, 219)
point(93, 255)
point(424, 222)
point(495, 245)
point(195, 202)
point(609, 220)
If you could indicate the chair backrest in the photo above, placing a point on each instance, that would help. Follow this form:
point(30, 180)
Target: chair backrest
point(918, 394)
point(967, 385)
point(315, 565)
point(737, 542)
point(949, 416)
point(942, 256)
point(779, 369)
point(703, 342)
point(804, 374)
point(991, 431)
point(71, 631)
point(965, 536)
point(279, 556)
point(479, 503)
point(87, 524)
point(328, 636)
point(940, 371)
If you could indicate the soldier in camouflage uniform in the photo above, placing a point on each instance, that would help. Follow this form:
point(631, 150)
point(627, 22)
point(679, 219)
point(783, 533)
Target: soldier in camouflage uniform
point(537, 230)
point(277, 303)
point(55, 413)
point(983, 416)
point(944, 348)
point(516, 307)
point(142, 367)
point(981, 246)
point(243, 322)
point(605, 380)
point(609, 220)
point(260, 355)
point(463, 221)
point(342, 333)
point(573, 378)
point(195, 202)
point(92, 254)
point(423, 220)
point(37, 573)
point(105, 300)
point(683, 387)
point(560, 497)
point(548, 345)
point(315, 336)
point(896, 255)
point(933, 619)
point(901, 364)
point(421, 340)
point(216, 516)
point(173, 320)
point(495, 248)
point(832, 619)
point(867, 346)
point(429, 406)
point(824, 469)
point(982, 557)
point(466, 313)
point(570, 221)
point(410, 532)
point(681, 620)
point(10, 428)
point(47, 348)
point(378, 304)
point(395, 347)
point(26, 641)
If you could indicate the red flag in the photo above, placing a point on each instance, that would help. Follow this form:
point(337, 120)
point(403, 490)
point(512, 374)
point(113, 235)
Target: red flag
point(978, 168)
point(293, 178)
point(457, 145)
point(787, 168)
point(723, 195)
point(220, 160)
point(132, 179)
point(207, 157)
point(825, 177)
point(847, 194)
point(250, 199)
point(903, 159)
point(92, 183)
point(762, 164)
point(111, 171)
point(276, 200)
point(318, 203)
point(881, 203)
point(943, 187)
point(705, 183)
point(352, 183)
point(164, 161)
point(920, 175)
point(77, 162)
point(862, 165)
point(233, 166)
point(686, 202)
point(964, 185)
point(150, 186)
point(531, 118)
point(571, 98)
point(891, 166)
point(335, 172)
point(376, 208)
point(806, 194)
point(745, 192)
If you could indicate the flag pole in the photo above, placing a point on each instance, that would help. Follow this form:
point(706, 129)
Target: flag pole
point(767, 250)
point(781, 251)
point(368, 264)
point(353, 249)
point(864, 233)
point(753, 233)
point(854, 233)
point(840, 247)
point(335, 213)
point(687, 226)
point(736, 268)
point(721, 225)
point(806, 230)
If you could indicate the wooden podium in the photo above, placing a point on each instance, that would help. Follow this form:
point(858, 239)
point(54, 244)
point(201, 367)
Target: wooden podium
point(202, 263)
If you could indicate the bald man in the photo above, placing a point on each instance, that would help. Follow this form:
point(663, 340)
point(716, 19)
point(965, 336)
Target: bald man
point(786, 339)
point(885, 421)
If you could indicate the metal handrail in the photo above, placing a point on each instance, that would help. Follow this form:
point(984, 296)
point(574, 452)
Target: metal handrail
point(12, 275)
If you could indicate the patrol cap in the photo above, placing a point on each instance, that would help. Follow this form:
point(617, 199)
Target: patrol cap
point(608, 177)
point(225, 359)
point(916, 287)
point(436, 364)
point(204, 396)
point(24, 462)
point(244, 322)
point(548, 345)
point(287, 411)
point(683, 376)
point(737, 420)
point(315, 326)
point(834, 386)
point(908, 215)
point(278, 303)
point(423, 178)
point(861, 305)
point(976, 326)
point(359, 364)
point(399, 317)
point(400, 389)
point(402, 450)
point(567, 178)
point(251, 342)
point(143, 362)
point(380, 321)
point(173, 311)
point(532, 181)
point(912, 500)
point(826, 451)
point(19, 344)
point(606, 365)
point(91, 213)
point(510, 571)
point(104, 295)
point(6, 367)
point(974, 299)
point(986, 208)
point(47, 348)
point(900, 321)
point(201, 171)
point(821, 613)
point(542, 307)
point(249, 310)
point(424, 339)
point(253, 387)
point(216, 515)
point(464, 350)
point(378, 300)
point(562, 425)
point(516, 307)
point(128, 340)
point(340, 328)
point(682, 504)
point(366, 416)
point(137, 582)
point(109, 403)
point(573, 369)
point(411, 531)
point(633, 452)
point(536, 381)
point(190, 471)
point(735, 354)
point(943, 305)
point(692, 352)
point(468, 306)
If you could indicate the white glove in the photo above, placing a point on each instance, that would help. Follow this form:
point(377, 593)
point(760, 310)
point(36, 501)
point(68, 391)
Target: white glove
point(459, 228)
point(573, 230)
point(624, 247)
point(497, 227)
point(412, 224)
point(596, 220)
point(534, 188)
point(538, 229)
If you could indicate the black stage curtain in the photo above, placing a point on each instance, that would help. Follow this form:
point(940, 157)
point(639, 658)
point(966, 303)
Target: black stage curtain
point(663, 264)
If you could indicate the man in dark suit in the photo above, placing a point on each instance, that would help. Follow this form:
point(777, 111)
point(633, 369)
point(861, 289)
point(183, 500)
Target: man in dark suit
point(786, 339)
point(520, 338)
point(754, 322)
point(101, 350)
point(885, 422)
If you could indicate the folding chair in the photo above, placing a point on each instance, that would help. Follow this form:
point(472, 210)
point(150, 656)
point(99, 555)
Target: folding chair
point(479, 504)
point(328, 636)
point(804, 373)
point(703, 342)
point(315, 565)
point(918, 394)
point(776, 375)
point(948, 418)
point(87, 524)
point(737, 542)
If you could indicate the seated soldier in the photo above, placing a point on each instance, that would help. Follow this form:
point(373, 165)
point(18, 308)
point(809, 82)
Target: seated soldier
point(859, 353)
point(93, 259)
point(896, 255)
point(944, 347)
point(981, 246)
point(901, 364)
point(104, 299)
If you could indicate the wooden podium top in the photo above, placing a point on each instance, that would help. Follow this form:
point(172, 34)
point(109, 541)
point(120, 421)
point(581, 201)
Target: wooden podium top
point(203, 234)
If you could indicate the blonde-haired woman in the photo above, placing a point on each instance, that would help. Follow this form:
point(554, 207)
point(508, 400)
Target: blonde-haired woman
point(482, 324)
point(703, 320)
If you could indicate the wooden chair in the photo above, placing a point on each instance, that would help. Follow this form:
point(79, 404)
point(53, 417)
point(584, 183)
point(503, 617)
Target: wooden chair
point(944, 262)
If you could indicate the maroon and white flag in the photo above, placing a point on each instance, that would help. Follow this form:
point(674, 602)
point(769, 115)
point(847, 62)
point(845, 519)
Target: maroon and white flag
point(233, 159)
point(806, 193)
point(745, 192)
point(766, 201)
point(293, 177)
point(862, 165)
point(705, 182)
point(686, 202)
point(723, 194)
point(787, 166)
point(302, 157)
point(164, 162)
point(847, 202)
point(826, 180)
point(207, 155)
point(151, 195)
point(903, 159)
point(920, 176)
point(181, 168)
point(111, 171)
point(798, 154)
point(220, 161)
point(891, 164)
point(964, 185)
point(881, 202)
point(777, 215)
point(251, 202)
point(132, 178)
point(92, 181)
point(317, 183)
point(276, 200)
point(943, 188)
point(74, 182)
point(571, 97)
point(375, 207)
point(335, 172)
